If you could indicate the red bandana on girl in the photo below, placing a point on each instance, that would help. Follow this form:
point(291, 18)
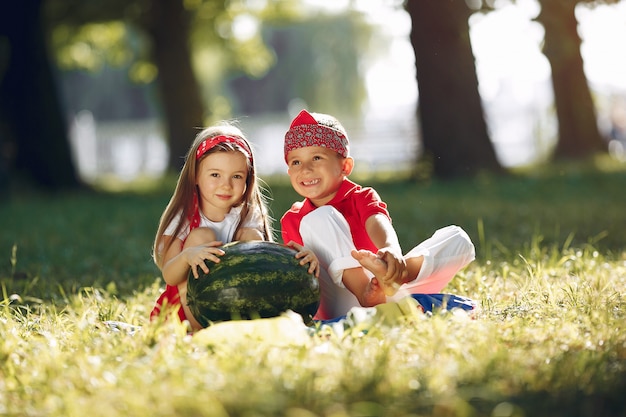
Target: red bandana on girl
point(306, 131)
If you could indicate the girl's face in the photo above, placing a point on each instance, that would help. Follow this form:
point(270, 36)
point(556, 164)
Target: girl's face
point(317, 172)
point(221, 180)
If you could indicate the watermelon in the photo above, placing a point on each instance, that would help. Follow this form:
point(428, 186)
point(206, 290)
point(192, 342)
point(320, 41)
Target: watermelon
point(253, 279)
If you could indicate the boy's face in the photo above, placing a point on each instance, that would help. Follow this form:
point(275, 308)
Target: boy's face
point(316, 172)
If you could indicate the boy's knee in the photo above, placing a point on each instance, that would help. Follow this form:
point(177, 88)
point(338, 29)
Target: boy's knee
point(324, 218)
point(451, 241)
point(464, 243)
point(321, 214)
point(322, 223)
point(465, 237)
point(200, 236)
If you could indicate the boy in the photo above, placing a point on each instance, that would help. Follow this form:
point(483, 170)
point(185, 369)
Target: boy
point(349, 228)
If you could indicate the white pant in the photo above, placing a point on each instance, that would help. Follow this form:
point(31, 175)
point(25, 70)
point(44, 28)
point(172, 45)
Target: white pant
point(326, 232)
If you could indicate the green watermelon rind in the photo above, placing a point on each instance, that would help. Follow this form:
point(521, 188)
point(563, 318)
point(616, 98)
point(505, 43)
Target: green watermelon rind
point(220, 296)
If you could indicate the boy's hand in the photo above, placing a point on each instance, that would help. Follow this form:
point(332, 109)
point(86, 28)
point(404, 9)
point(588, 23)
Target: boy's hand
point(396, 268)
point(306, 256)
point(375, 264)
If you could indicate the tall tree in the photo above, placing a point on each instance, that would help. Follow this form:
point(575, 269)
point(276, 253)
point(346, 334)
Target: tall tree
point(168, 24)
point(453, 126)
point(174, 29)
point(579, 135)
point(34, 132)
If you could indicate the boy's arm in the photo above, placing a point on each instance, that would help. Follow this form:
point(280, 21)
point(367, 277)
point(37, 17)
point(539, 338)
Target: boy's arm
point(382, 233)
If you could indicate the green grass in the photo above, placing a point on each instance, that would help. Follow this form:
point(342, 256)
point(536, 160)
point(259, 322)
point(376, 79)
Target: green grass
point(550, 277)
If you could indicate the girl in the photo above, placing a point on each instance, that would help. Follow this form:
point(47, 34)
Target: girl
point(217, 200)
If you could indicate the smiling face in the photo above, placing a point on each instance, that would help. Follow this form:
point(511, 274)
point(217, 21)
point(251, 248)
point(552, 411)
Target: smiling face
point(221, 180)
point(317, 172)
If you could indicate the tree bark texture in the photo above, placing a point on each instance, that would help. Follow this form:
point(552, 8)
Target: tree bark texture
point(579, 135)
point(168, 24)
point(450, 111)
point(34, 131)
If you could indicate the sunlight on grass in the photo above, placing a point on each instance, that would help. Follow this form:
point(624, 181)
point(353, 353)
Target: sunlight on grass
point(548, 340)
point(550, 322)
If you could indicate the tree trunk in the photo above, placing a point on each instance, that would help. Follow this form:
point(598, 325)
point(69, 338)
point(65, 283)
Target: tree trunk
point(35, 140)
point(450, 110)
point(579, 135)
point(168, 24)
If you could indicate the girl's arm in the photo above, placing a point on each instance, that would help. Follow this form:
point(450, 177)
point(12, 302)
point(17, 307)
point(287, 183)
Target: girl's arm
point(249, 233)
point(384, 236)
point(176, 262)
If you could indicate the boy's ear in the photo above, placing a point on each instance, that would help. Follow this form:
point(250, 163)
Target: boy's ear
point(348, 166)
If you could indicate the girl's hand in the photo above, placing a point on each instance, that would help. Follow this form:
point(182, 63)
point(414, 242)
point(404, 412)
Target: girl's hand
point(306, 256)
point(195, 256)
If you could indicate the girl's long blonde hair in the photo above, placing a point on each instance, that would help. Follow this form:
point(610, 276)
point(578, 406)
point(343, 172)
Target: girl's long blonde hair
point(182, 200)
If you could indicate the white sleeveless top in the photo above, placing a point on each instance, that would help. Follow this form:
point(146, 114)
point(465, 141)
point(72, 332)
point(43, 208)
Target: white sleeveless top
point(224, 230)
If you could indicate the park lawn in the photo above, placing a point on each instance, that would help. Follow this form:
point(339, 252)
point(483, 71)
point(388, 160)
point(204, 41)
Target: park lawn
point(549, 339)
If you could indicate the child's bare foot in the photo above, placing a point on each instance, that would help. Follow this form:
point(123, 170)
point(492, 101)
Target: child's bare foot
point(371, 262)
point(376, 266)
point(374, 294)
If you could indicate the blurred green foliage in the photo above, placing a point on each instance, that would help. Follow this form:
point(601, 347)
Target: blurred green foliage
point(240, 51)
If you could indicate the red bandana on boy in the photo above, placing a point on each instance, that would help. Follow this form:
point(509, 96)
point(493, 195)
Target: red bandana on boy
point(306, 131)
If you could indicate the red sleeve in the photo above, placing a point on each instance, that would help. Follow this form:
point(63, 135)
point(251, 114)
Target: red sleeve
point(369, 203)
point(290, 225)
point(358, 206)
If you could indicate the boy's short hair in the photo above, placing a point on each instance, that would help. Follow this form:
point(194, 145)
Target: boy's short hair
point(316, 129)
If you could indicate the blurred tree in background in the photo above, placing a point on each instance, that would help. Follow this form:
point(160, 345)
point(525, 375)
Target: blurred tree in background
point(90, 35)
point(168, 25)
point(317, 59)
point(578, 134)
point(578, 123)
point(454, 132)
point(210, 59)
point(33, 131)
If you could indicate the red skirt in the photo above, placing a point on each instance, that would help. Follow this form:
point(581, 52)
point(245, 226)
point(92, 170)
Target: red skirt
point(171, 299)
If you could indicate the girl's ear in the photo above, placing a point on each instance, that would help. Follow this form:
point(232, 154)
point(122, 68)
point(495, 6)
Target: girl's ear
point(347, 165)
